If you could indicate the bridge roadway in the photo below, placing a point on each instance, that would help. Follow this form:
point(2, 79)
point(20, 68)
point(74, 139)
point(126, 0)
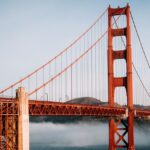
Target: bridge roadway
point(47, 108)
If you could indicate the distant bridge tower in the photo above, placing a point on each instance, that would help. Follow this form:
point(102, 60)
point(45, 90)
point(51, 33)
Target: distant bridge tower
point(117, 133)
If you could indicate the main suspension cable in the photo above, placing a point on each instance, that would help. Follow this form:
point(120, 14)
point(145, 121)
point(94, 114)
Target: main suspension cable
point(53, 59)
point(74, 62)
point(140, 40)
point(134, 65)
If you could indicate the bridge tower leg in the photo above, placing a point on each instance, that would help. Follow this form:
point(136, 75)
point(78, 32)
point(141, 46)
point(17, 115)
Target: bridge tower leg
point(117, 126)
point(23, 119)
point(8, 127)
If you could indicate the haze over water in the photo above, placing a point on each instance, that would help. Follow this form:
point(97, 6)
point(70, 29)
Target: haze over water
point(77, 136)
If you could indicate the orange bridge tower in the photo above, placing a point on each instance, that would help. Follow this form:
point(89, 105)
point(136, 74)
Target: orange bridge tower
point(119, 129)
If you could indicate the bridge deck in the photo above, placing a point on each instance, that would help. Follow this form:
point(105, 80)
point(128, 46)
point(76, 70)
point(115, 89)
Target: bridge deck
point(39, 108)
point(46, 108)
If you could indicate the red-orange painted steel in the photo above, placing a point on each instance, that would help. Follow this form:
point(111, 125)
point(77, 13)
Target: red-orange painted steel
point(37, 108)
point(46, 108)
point(126, 82)
point(8, 125)
point(9, 111)
point(53, 59)
point(43, 108)
point(9, 108)
point(129, 85)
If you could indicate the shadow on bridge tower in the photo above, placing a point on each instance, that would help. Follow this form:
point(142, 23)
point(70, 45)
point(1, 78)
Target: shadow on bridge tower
point(121, 132)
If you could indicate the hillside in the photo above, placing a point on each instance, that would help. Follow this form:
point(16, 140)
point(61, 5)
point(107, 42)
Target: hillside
point(86, 100)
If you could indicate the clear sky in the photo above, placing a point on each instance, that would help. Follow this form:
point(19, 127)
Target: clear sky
point(32, 32)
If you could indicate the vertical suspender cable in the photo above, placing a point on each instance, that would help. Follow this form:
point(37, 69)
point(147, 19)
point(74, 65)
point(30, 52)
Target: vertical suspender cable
point(91, 67)
point(61, 77)
point(36, 80)
point(66, 77)
point(55, 83)
point(99, 64)
point(43, 83)
point(95, 66)
point(88, 85)
point(71, 75)
point(49, 83)
point(28, 84)
point(76, 73)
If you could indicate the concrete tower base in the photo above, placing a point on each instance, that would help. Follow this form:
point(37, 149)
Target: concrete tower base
point(23, 119)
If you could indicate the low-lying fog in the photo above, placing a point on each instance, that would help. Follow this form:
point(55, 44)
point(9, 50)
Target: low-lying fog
point(79, 134)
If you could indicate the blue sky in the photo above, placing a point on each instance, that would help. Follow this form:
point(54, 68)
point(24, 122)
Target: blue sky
point(32, 32)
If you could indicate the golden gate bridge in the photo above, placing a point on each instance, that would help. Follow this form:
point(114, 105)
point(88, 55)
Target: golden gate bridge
point(102, 63)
